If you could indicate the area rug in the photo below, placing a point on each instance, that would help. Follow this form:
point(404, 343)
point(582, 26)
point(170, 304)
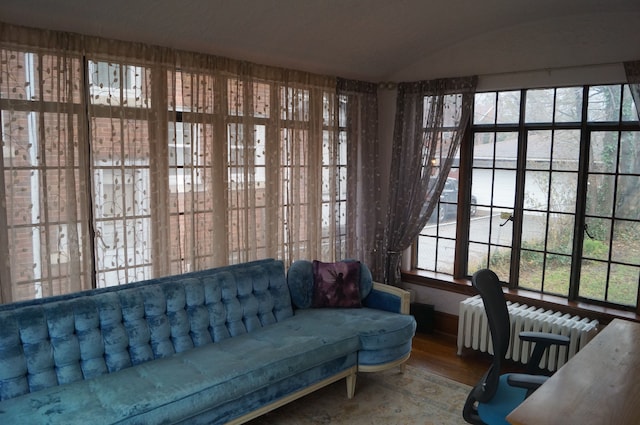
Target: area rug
point(385, 398)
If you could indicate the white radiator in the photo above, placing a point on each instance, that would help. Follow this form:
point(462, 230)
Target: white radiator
point(473, 331)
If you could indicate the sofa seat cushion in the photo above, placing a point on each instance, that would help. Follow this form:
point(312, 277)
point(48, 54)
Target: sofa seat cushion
point(384, 336)
point(173, 388)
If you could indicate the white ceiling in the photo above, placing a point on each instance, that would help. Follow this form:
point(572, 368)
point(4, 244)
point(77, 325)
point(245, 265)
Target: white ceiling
point(374, 40)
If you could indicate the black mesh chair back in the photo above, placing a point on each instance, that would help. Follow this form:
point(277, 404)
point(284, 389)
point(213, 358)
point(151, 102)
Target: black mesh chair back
point(488, 285)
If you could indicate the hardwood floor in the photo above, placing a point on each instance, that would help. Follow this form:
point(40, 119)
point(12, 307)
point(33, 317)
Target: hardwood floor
point(437, 353)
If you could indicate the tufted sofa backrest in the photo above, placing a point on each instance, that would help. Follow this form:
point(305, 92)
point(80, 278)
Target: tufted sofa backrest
point(63, 339)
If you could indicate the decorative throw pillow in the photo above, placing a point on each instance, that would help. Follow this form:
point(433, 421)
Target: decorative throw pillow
point(336, 284)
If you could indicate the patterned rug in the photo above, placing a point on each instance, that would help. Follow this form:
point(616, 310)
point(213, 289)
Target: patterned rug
point(388, 398)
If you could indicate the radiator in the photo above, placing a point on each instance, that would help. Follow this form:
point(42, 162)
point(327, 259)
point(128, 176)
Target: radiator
point(473, 331)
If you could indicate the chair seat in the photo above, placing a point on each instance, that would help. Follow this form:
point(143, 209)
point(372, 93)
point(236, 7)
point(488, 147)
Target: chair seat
point(506, 399)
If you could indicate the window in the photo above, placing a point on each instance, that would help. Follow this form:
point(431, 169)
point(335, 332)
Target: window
point(120, 146)
point(185, 168)
point(43, 183)
point(437, 241)
point(116, 82)
point(123, 224)
point(334, 174)
point(117, 169)
point(552, 177)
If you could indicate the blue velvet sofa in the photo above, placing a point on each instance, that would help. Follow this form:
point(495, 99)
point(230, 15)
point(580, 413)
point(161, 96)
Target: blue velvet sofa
point(223, 345)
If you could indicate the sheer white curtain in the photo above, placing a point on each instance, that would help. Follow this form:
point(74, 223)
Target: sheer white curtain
point(124, 161)
point(46, 192)
point(431, 117)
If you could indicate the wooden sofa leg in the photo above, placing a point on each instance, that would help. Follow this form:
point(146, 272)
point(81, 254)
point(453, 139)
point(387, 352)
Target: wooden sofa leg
point(351, 385)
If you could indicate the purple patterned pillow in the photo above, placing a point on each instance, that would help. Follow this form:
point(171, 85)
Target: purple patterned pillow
point(336, 284)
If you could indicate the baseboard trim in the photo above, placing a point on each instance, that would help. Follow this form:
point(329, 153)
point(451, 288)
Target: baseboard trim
point(446, 323)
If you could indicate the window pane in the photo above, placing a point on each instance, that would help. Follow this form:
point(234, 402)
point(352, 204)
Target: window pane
point(629, 152)
point(533, 230)
point(600, 195)
point(604, 103)
point(427, 252)
point(478, 254)
point(557, 274)
point(566, 150)
point(564, 187)
point(593, 279)
point(235, 96)
point(628, 197)
point(539, 106)
point(560, 233)
point(446, 254)
point(261, 100)
point(603, 152)
point(536, 191)
point(294, 103)
point(596, 240)
point(506, 150)
point(452, 110)
point(499, 262)
point(508, 111)
point(483, 150)
point(626, 242)
point(539, 150)
point(484, 108)
point(480, 230)
point(568, 104)
point(623, 286)
point(531, 269)
point(116, 84)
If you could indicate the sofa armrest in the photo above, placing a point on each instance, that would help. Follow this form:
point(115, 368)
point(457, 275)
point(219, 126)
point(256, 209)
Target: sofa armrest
point(388, 298)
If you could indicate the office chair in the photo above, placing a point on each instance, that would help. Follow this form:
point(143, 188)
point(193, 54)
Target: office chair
point(495, 395)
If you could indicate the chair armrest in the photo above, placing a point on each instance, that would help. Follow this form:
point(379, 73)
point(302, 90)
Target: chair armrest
point(388, 298)
point(526, 381)
point(544, 338)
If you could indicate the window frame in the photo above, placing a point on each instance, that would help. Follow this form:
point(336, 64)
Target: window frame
point(586, 128)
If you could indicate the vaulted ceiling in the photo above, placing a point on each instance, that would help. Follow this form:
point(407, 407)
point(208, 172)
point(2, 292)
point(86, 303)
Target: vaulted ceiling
point(373, 40)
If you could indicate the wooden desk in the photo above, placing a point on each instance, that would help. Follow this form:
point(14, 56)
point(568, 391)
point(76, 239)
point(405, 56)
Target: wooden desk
point(599, 385)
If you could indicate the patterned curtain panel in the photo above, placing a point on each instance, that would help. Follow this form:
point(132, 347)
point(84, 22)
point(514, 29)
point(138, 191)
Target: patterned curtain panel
point(45, 217)
point(124, 161)
point(632, 69)
point(431, 117)
point(360, 215)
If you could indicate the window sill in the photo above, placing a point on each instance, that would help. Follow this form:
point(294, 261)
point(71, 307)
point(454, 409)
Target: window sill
point(463, 286)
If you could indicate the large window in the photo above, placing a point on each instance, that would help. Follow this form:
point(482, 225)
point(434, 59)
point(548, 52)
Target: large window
point(553, 195)
point(120, 144)
point(116, 168)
